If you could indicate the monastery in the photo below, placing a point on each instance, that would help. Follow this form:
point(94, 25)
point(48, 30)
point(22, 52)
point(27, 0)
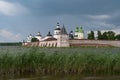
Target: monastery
point(61, 38)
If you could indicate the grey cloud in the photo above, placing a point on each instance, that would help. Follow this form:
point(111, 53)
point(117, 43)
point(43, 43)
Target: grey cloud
point(70, 7)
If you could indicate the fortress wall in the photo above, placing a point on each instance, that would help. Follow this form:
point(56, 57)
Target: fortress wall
point(31, 44)
point(47, 44)
point(79, 43)
point(96, 42)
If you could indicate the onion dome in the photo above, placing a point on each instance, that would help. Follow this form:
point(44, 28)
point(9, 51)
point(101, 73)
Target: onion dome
point(58, 26)
point(38, 34)
point(81, 30)
point(49, 34)
point(77, 29)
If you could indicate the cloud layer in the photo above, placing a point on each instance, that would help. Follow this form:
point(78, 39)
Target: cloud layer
point(11, 9)
point(7, 35)
point(42, 15)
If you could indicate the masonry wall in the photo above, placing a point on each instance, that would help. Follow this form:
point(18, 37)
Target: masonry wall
point(77, 43)
point(30, 44)
point(95, 42)
point(48, 44)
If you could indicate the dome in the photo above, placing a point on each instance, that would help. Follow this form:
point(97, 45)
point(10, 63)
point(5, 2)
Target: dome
point(38, 34)
point(81, 30)
point(77, 29)
point(49, 34)
point(58, 27)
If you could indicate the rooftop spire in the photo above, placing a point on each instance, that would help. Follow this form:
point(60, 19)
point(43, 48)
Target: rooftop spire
point(63, 30)
point(57, 26)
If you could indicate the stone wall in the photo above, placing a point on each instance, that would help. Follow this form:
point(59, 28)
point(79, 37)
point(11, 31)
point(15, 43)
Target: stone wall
point(95, 42)
point(77, 43)
point(48, 44)
point(30, 44)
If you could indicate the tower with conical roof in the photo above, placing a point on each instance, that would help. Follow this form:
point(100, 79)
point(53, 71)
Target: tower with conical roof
point(57, 31)
point(79, 33)
point(63, 38)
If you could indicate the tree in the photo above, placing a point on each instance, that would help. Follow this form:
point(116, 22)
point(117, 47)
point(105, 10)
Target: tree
point(111, 35)
point(117, 37)
point(99, 35)
point(34, 40)
point(91, 35)
point(104, 36)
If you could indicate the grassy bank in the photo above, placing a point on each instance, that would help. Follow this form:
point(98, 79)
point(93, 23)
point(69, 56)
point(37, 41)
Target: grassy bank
point(90, 61)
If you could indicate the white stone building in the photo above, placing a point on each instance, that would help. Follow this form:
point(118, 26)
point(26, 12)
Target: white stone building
point(38, 36)
point(29, 38)
point(79, 33)
point(59, 39)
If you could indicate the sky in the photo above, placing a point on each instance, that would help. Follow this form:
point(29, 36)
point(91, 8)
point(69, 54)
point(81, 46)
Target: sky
point(19, 18)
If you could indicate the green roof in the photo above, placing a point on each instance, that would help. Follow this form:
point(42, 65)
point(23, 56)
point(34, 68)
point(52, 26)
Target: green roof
point(81, 30)
point(77, 29)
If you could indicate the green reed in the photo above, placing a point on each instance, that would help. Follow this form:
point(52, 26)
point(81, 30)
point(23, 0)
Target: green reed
point(90, 61)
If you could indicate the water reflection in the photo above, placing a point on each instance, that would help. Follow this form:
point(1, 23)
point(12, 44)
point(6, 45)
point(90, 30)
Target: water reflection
point(69, 78)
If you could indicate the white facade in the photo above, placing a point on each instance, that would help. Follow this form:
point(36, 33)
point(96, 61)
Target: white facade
point(59, 39)
point(63, 41)
point(57, 31)
point(38, 36)
point(79, 33)
point(29, 38)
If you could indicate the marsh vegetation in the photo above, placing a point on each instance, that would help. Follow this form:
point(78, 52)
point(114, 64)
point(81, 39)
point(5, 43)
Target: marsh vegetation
point(15, 61)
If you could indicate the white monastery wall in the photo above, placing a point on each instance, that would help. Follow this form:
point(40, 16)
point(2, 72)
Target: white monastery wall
point(95, 42)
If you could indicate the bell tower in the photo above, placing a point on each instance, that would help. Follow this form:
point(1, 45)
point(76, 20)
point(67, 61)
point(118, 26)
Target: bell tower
point(57, 31)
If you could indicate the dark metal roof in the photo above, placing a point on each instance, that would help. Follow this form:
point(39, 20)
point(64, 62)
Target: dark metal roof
point(38, 35)
point(49, 34)
point(63, 30)
point(58, 26)
point(57, 29)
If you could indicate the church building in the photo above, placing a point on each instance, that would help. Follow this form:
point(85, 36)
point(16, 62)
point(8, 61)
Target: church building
point(60, 38)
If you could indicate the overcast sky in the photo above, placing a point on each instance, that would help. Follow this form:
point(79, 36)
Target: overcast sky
point(19, 18)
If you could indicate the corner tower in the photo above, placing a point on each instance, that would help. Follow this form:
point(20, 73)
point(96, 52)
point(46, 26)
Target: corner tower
point(63, 38)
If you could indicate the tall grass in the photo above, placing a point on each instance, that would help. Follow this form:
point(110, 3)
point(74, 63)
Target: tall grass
point(91, 61)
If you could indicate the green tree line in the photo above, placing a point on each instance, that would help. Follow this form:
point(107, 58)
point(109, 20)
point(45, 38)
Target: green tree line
point(11, 44)
point(109, 35)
